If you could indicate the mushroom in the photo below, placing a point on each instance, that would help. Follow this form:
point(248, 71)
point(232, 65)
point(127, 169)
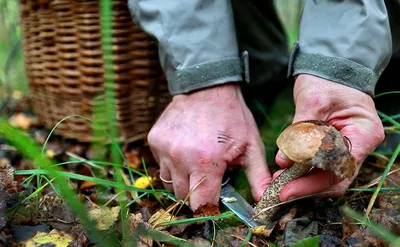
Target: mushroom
point(310, 143)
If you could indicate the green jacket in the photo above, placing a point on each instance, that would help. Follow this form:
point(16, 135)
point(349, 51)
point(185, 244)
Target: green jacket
point(204, 43)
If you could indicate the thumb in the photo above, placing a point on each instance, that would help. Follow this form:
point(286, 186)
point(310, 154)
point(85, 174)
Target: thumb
point(257, 171)
point(282, 160)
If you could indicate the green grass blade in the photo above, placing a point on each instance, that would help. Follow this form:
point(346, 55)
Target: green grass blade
point(308, 242)
point(389, 119)
point(247, 239)
point(36, 192)
point(386, 93)
point(99, 181)
point(199, 219)
point(384, 175)
point(31, 151)
point(99, 162)
point(163, 237)
point(383, 233)
point(395, 116)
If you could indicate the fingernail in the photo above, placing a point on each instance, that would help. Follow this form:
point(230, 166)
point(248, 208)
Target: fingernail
point(282, 156)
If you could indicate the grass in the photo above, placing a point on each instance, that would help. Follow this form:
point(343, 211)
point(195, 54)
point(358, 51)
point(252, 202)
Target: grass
point(383, 233)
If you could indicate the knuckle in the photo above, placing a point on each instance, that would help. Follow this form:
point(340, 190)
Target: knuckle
point(152, 137)
point(175, 152)
point(379, 132)
point(381, 135)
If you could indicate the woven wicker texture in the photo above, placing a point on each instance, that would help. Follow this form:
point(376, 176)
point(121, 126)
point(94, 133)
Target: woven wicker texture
point(62, 44)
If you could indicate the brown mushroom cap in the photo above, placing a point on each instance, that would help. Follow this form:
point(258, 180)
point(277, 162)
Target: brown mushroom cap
point(319, 144)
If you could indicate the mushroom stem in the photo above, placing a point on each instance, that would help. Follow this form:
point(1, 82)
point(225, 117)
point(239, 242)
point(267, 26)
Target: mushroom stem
point(271, 194)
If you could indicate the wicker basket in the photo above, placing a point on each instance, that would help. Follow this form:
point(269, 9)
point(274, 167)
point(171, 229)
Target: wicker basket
point(62, 46)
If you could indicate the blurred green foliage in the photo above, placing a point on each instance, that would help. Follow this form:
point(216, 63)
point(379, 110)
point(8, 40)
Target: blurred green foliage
point(11, 63)
point(289, 12)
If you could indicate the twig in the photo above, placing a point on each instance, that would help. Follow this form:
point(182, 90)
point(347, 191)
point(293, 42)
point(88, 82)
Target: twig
point(190, 192)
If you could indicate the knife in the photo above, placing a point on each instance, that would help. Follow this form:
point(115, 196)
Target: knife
point(237, 204)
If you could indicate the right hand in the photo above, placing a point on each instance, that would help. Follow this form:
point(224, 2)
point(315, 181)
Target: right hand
point(200, 134)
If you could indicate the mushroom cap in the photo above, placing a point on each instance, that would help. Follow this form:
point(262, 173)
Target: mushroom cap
point(319, 144)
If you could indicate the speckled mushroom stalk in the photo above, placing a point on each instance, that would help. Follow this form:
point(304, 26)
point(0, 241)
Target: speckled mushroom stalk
point(310, 143)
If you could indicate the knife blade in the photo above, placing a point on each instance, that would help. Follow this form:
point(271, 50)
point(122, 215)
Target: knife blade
point(238, 205)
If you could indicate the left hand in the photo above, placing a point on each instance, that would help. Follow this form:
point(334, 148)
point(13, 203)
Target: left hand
point(351, 111)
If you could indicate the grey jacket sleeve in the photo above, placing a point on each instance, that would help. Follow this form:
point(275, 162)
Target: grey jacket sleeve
point(197, 41)
point(348, 42)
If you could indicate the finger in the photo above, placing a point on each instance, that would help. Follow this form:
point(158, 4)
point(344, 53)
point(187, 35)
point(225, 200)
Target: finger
point(166, 175)
point(361, 141)
point(316, 181)
point(276, 174)
point(257, 171)
point(337, 189)
point(282, 160)
point(205, 187)
point(180, 183)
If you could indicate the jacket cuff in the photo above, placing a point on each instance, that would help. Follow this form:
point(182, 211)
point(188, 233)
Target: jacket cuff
point(337, 69)
point(208, 74)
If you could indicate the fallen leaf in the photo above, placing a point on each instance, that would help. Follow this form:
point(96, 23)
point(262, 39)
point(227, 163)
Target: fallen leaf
point(24, 232)
point(55, 237)
point(20, 120)
point(262, 231)
point(199, 241)
point(160, 217)
point(230, 236)
point(136, 220)
point(7, 178)
point(16, 94)
point(298, 229)
point(208, 209)
point(143, 182)
point(104, 216)
point(286, 218)
point(133, 158)
point(87, 185)
point(79, 233)
point(50, 153)
point(3, 206)
point(178, 229)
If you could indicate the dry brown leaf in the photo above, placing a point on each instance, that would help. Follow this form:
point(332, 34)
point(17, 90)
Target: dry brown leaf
point(136, 220)
point(7, 181)
point(3, 206)
point(54, 238)
point(133, 157)
point(20, 120)
point(87, 185)
point(208, 209)
point(104, 216)
point(178, 229)
point(160, 217)
point(79, 233)
point(286, 218)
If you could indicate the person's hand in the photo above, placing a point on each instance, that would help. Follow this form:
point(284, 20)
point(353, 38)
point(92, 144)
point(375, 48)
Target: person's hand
point(351, 111)
point(199, 135)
